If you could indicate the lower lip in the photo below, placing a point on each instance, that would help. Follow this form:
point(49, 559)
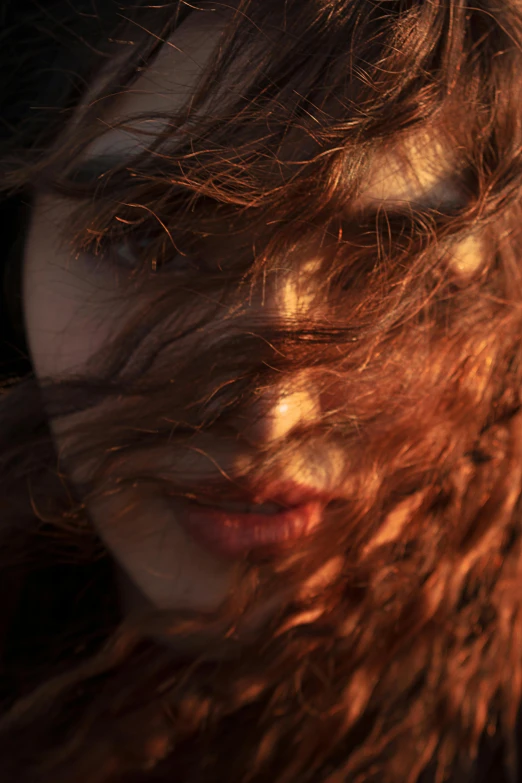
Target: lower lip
point(232, 535)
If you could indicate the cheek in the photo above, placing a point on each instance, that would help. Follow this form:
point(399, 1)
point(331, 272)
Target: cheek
point(68, 315)
point(167, 568)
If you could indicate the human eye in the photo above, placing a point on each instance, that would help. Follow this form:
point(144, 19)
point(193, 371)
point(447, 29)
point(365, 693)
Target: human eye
point(137, 252)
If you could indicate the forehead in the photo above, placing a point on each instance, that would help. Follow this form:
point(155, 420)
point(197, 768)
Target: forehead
point(418, 169)
point(164, 87)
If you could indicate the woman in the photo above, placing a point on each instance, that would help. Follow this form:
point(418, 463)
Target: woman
point(261, 441)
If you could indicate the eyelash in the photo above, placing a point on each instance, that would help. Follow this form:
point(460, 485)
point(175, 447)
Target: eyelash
point(109, 247)
point(127, 251)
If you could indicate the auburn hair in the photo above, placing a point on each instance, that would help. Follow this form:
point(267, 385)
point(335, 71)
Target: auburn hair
point(397, 656)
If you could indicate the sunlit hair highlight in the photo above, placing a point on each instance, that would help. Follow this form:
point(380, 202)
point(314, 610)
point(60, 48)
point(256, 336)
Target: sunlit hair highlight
point(396, 655)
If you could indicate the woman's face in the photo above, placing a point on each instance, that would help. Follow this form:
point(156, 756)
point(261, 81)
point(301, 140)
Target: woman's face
point(70, 314)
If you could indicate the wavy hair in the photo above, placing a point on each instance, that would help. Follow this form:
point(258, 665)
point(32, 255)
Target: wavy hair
point(397, 655)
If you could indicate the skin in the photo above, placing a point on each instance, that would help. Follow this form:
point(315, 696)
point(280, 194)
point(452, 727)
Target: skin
point(70, 314)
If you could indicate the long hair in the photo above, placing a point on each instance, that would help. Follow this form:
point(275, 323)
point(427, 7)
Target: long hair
point(397, 652)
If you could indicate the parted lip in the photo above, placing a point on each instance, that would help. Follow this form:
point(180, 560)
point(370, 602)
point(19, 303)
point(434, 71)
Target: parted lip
point(232, 533)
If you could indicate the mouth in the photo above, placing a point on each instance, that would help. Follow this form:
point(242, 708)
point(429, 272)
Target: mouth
point(231, 528)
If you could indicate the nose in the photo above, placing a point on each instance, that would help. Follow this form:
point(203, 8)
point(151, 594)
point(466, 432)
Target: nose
point(278, 410)
point(282, 407)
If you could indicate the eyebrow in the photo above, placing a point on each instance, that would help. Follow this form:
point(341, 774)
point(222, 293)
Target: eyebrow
point(445, 195)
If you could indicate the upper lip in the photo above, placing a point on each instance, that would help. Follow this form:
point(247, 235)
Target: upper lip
point(287, 494)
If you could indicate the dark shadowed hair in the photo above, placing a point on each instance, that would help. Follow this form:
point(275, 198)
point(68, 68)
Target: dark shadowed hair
point(405, 663)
